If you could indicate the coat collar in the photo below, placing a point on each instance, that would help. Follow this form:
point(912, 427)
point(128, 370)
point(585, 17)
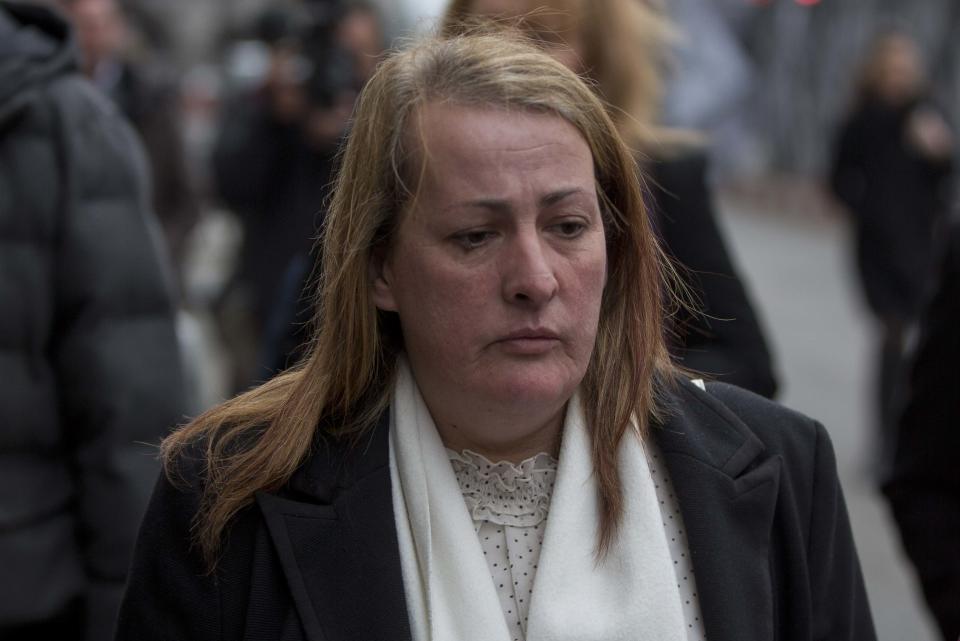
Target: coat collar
point(341, 501)
point(334, 534)
point(727, 492)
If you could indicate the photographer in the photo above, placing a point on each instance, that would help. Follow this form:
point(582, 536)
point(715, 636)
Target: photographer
point(278, 138)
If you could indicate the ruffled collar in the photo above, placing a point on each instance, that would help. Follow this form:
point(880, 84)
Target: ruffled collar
point(505, 493)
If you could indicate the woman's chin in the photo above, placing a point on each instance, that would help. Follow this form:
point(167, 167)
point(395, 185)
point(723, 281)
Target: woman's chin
point(532, 387)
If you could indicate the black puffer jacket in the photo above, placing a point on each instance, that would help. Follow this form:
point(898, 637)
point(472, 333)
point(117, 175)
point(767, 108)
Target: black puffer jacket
point(88, 355)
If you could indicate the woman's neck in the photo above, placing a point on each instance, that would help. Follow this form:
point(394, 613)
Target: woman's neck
point(534, 438)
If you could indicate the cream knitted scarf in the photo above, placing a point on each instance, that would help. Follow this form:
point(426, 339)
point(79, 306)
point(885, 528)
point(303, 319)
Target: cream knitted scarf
point(630, 595)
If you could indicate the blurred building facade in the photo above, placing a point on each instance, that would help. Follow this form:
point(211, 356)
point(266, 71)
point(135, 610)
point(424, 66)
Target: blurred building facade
point(805, 56)
point(798, 58)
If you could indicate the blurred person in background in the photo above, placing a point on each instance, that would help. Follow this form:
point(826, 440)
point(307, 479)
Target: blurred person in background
point(924, 486)
point(892, 163)
point(621, 47)
point(148, 94)
point(288, 322)
point(88, 354)
point(361, 36)
point(274, 154)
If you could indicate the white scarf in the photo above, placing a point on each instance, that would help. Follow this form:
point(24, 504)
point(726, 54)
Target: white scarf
point(632, 594)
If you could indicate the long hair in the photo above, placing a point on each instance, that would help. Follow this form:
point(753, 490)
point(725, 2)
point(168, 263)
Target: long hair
point(256, 441)
point(625, 53)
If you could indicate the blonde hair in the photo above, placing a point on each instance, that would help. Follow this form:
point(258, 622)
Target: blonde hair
point(625, 54)
point(257, 440)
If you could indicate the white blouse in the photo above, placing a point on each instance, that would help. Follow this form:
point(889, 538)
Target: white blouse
point(509, 504)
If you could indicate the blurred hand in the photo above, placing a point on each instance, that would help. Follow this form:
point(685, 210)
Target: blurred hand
point(928, 133)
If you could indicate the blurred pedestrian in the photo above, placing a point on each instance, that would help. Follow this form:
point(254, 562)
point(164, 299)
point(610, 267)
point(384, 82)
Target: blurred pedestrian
point(621, 47)
point(275, 151)
point(288, 323)
point(88, 355)
point(924, 487)
point(148, 94)
point(891, 169)
point(361, 36)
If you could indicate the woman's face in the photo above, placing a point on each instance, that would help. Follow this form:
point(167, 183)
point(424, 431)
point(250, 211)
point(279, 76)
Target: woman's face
point(498, 270)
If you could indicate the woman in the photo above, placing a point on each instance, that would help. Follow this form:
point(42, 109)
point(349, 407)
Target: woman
point(489, 384)
point(893, 161)
point(621, 47)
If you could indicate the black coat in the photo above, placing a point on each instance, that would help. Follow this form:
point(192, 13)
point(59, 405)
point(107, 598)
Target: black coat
point(89, 363)
point(277, 181)
point(924, 489)
point(319, 560)
point(895, 195)
point(725, 340)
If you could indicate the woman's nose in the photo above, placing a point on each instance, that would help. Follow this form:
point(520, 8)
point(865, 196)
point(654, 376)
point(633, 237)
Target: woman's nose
point(528, 276)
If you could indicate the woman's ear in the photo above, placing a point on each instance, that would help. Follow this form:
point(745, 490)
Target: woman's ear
point(381, 278)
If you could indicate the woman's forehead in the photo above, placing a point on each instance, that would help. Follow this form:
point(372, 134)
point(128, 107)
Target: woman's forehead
point(446, 132)
point(485, 154)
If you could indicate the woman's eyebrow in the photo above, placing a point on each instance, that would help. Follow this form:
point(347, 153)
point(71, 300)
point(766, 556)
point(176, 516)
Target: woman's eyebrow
point(497, 205)
point(556, 196)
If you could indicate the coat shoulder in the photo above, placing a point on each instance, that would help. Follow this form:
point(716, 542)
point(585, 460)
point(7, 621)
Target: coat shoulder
point(772, 422)
point(813, 559)
point(751, 407)
point(782, 431)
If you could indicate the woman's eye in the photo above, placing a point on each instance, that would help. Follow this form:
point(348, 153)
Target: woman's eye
point(473, 239)
point(569, 228)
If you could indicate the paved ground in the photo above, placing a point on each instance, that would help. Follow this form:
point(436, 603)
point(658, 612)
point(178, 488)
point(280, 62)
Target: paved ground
point(798, 270)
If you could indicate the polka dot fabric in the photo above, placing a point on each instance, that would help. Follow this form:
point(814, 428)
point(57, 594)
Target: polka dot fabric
point(508, 504)
point(677, 540)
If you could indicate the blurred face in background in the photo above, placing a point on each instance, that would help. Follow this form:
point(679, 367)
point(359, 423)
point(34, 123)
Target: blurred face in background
point(555, 25)
point(898, 70)
point(100, 29)
point(360, 34)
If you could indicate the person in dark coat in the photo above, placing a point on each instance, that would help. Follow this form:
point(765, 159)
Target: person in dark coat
point(148, 94)
point(88, 355)
point(275, 150)
point(621, 46)
point(891, 170)
point(924, 486)
point(720, 334)
point(492, 358)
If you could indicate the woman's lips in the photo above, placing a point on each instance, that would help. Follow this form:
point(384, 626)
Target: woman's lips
point(529, 343)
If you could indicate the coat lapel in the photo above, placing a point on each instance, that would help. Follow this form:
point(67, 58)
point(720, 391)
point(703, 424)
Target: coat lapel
point(335, 536)
point(727, 492)
point(341, 501)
